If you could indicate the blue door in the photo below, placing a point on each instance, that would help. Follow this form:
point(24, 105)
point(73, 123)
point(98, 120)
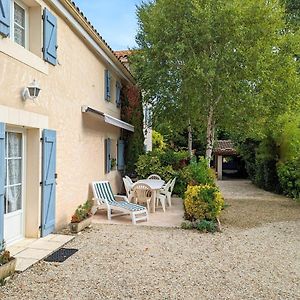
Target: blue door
point(48, 182)
point(2, 180)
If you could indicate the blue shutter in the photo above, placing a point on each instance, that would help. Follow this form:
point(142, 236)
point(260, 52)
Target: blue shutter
point(107, 86)
point(5, 17)
point(2, 180)
point(118, 94)
point(121, 160)
point(50, 37)
point(48, 181)
point(107, 156)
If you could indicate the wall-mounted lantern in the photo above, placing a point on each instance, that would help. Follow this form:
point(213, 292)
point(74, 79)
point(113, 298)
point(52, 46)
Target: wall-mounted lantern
point(32, 91)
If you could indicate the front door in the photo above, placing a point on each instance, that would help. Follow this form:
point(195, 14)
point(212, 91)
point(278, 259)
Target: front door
point(14, 187)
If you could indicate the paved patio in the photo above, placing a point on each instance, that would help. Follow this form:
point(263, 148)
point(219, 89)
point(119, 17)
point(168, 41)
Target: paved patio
point(173, 217)
point(30, 251)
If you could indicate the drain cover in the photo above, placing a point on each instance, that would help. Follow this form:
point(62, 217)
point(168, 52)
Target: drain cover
point(60, 255)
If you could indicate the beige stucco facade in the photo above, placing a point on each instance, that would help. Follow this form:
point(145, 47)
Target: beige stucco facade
point(77, 80)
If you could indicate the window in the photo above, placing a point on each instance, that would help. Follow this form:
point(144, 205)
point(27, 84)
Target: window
point(20, 24)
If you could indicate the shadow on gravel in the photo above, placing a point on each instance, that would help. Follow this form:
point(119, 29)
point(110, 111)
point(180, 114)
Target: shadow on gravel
point(249, 213)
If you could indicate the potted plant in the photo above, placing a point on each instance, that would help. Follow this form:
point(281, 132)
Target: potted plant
point(82, 217)
point(7, 262)
point(113, 163)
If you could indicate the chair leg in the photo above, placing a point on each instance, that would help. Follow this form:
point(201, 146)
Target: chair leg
point(169, 199)
point(108, 213)
point(163, 204)
point(133, 218)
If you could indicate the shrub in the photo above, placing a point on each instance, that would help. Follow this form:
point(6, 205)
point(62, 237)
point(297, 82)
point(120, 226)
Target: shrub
point(206, 226)
point(148, 164)
point(289, 177)
point(187, 225)
point(158, 141)
point(203, 202)
point(82, 212)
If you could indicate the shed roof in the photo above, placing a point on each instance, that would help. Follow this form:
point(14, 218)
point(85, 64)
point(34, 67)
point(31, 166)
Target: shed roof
point(225, 147)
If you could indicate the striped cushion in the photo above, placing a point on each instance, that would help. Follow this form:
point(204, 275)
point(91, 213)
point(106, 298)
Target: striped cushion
point(129, 206)
point(103, 191)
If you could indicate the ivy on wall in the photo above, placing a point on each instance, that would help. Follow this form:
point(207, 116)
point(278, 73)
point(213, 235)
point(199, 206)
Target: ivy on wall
point(132, 113)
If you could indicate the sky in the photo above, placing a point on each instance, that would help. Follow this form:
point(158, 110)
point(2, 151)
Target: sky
point(115, 20)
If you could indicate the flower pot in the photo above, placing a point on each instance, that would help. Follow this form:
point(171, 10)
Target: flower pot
point(77, 227)
point(8, 269)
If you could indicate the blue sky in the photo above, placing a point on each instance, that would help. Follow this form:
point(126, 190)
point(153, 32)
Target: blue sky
point(115, 20)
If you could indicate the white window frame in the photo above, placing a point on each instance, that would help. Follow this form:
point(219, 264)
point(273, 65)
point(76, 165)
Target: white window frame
point(12, 25)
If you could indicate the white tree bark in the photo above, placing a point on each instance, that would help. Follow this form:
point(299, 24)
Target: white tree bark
point(190, 140)
point(210, 135)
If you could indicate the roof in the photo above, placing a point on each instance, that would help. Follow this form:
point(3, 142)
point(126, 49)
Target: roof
point(69, 4)
point(225, 147)
point(122, 55)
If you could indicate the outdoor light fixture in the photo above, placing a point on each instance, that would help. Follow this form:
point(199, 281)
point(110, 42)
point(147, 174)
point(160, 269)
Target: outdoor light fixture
point(32, 91)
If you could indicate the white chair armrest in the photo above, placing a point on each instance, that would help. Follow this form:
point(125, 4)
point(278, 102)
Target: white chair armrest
point(120, 197)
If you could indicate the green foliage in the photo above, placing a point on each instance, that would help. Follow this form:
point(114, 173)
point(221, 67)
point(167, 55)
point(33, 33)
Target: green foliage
point(206, 226)
point(200, 225)
point(4, 257)
point(158, 141)
point(169, 164)
point(229, 55)
point(203, 202)
point(132, 113)
point(82, 212)
point(289, 177)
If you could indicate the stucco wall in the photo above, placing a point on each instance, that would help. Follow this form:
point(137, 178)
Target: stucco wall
point(77, 80)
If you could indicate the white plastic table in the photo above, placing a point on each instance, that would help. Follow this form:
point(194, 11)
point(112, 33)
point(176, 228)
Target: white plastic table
point(155, 186)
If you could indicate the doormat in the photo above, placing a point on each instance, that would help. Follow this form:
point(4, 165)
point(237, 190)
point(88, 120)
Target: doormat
point(60, 255)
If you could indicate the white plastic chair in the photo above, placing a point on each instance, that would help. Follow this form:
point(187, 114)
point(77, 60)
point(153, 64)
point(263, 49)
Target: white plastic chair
point(129, 179)
point(165, 191)
point(128, 189)
point(154, 176)
point(142, 194)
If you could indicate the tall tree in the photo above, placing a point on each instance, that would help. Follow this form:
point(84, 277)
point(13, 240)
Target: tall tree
point(216, 63)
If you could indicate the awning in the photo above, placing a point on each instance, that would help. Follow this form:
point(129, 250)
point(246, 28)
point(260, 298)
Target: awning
point(107, 118)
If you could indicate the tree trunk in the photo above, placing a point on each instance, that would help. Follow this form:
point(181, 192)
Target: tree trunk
point(190, 140)
point(210, 135)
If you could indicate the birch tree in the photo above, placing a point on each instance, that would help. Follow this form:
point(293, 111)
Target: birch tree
point(216, 63)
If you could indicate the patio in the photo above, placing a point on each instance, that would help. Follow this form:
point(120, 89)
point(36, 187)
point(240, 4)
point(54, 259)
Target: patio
point(171, 218)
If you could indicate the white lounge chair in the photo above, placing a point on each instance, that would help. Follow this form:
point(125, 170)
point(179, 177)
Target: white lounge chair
point(154, 176)
point(105, 199)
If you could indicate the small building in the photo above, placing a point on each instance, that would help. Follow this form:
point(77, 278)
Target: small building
point(60, 118)
point(224, 158)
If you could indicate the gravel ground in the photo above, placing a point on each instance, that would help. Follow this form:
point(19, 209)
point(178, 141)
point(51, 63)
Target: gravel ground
point(257, 261)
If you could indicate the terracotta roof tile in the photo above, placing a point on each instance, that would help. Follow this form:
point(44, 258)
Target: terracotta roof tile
point(225, 147)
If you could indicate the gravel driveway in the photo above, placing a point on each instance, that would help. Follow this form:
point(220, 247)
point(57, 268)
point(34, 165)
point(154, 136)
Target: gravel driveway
point(254, 261)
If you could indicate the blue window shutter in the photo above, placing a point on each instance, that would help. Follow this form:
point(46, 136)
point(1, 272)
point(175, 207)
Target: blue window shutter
point(48, 181)
point(50, 37)
point(107, 156)
point(118, 94)
point(121, 160)
point(107, 85)
point(2, 179)
point(5, 17)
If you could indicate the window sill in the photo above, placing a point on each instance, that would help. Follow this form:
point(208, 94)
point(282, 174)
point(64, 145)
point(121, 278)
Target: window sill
point(21, 54)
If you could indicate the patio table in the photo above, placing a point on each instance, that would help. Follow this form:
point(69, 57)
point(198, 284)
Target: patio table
point(155, 186)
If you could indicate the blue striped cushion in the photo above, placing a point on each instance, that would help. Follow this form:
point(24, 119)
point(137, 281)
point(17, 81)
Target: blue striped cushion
point(103, 191)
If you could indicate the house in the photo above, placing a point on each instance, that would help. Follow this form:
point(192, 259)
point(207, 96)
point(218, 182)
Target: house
point(123, 55)
point(60, 124)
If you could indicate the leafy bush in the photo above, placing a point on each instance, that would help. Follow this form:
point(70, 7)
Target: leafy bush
point(148, 164)
point(82, 212)
point(206, 226)
point(289, 177)
point(203, 202)
point(158, 141)
point(200, 225)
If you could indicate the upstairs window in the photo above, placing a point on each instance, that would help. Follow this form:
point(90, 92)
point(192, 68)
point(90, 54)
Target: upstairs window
point(20, 24)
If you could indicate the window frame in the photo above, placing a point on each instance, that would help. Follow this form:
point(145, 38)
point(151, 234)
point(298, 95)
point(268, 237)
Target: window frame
point(12, 25)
